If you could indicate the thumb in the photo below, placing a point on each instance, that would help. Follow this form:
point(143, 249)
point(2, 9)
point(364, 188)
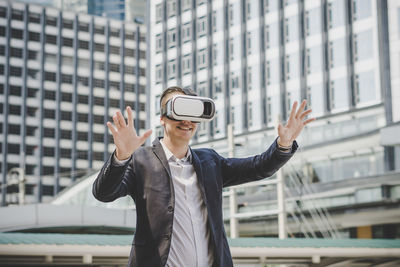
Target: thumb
point(145, 136)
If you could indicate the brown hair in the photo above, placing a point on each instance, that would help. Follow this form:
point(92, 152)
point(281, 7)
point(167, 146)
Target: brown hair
point(175, 89)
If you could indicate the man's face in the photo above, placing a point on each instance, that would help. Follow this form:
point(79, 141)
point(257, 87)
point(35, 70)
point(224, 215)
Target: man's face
point(177, 130)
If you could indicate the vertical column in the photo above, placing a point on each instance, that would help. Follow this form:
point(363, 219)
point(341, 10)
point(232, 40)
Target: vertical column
point(302, 36)
point(179, 42)
point(137, 73)
point(57, 151)
point(5, 107)
point(325, 57)
point(282, 59)
point(209, 60)
point(24, 90)
point(243, 36)
point(226, 87)
point(41, 109)
point(122, 67)
point(90, 100)
point(74, 156)
point(106, 88)
point(164, 26)
point(350, 53)
point(263, 83)
point(194, 47)
point(148, 67)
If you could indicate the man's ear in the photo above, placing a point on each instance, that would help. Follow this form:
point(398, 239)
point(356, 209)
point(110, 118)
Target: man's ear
point(162, 121)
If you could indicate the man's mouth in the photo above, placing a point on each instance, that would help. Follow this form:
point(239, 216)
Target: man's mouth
point(184, 128)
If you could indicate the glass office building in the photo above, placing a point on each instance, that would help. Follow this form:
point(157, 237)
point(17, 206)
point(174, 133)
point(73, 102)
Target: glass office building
point(255, 58)
point(62, 77)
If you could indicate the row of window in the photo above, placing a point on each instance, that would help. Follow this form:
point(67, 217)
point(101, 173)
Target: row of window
point(360, 9)
point(18, 15)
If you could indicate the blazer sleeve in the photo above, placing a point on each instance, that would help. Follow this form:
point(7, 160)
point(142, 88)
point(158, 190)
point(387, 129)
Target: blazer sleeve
point(242, 170)
point(113, 181)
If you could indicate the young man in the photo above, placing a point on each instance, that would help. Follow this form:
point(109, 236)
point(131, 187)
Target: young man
point(178, 190)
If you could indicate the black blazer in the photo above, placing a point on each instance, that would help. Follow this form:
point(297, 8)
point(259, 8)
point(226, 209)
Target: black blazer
point(146, 177)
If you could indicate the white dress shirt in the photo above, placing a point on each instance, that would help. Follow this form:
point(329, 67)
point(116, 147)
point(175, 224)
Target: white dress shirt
point(190, 233)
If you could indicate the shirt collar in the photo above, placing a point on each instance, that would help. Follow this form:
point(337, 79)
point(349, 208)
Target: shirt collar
point(171, 156)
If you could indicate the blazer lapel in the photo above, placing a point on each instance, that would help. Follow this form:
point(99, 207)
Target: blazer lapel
point(159, 151)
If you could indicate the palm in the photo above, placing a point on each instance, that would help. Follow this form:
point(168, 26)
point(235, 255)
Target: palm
point(125, 137)
point(295, 124)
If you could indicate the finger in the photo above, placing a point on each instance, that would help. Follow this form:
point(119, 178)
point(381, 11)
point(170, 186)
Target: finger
point(308, 121)
point(305, 113)
point(111, 127)
point(145, 136)
point(121, 119)
point(279, 128)
point(294, 107)
point(301, 108)
point(130, 116)
point(116, 122)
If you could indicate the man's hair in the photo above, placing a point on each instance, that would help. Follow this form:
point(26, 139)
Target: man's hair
point(175, 89)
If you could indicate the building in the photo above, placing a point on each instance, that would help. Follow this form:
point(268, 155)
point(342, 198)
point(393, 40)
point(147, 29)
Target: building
point(255, 58)
point(62, 77)
point(117, 9)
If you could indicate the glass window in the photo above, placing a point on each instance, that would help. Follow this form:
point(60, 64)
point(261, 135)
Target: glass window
point(273, 107)
point(186, 64)
point(292, 66)
point(202, 59)
point(186, 4)
point(273, 74)
point(365, 86)
point(159, 43)
point(171, 70)
point(292, 29)
point(234, 13)
point(272, 35)
point(315, 98)
point(314, 59)
point(159, 13)
point(158, 74)
point(339, 93)
point(337, 53)
point(186, 32)
point(336, 13)
point(201, 26)
point(361, 9)
point(271, 5)
point(218, 22)
point(171, 37)
point(218, 55)
point(171, 8)
point(252, 9)
point(363, 47)
point(313, 21)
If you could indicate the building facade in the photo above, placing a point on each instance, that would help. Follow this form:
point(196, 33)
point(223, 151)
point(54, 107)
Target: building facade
point(255, 58)
point(62, 78)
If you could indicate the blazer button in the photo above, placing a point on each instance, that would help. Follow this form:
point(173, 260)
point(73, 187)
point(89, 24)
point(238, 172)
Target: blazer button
point(170, 208)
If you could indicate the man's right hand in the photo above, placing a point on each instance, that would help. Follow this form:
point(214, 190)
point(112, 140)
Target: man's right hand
point(125, 137)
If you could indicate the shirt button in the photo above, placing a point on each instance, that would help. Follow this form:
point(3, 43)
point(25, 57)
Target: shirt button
point(170, 208)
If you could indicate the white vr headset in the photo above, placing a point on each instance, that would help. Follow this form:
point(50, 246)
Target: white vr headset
point(189, 108)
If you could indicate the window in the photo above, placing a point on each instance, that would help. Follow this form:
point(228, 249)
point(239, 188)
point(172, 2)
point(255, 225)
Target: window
point(159, 43)
point(363, 45)
point(186, 4)
point(186, 64)
point(336, 13)
point(16, 34)
point(337, 53)
point(250, 114)
point(68, 24)
point(314, 59)
point(248, 43)
point(51, 21)
point(66, 78)
point(83, 44)
point(201, 2)
point(15, 71)
point(65, 41)
point(171, 69)
point(171, 8)
point(291, 29)
point(159, 13)
point(114, 50)
point(202, 59)
point(217, 86)
point(83, 27)
point(34, 17)
point(99, 30)
point(273, 73)
point(249, 78)
point(272, 35)
point(17, 14)
point(361, 9)
point(365, 87)
point(339, 93)
point(16, 52)
point(201, 26)
point(51, 58)
point(315, 98)
point(171, 38)
point(186, 32)
point(159, 74)
point(313, 21)
point(234, 81)
point(34, 36)
point(292, 66)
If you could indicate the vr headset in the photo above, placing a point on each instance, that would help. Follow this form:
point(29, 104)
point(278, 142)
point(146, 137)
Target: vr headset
point(189, 108)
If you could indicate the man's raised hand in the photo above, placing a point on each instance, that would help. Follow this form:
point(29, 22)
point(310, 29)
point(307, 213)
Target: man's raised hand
point(125, 137)
point(295, 124)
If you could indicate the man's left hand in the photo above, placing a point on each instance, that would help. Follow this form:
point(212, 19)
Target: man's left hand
point(295, 124)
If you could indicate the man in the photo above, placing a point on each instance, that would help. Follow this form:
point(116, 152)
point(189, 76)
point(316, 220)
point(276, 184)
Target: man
point(178, 190)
